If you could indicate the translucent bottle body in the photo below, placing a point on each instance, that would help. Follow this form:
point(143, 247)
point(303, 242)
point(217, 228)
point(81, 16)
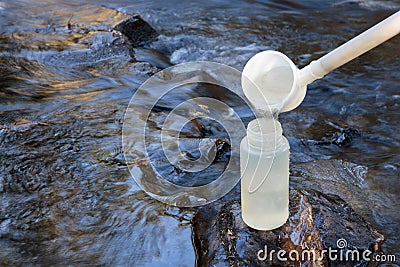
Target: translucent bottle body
point(264, 164)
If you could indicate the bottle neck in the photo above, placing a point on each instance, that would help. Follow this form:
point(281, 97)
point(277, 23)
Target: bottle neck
point(264, 134)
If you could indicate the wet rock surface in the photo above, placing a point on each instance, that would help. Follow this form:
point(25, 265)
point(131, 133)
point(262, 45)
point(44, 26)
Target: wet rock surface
point(66, 197)
point(316, 222)
point(137, 30)
point(344, 179)
point(103, 46)
point(112, 47)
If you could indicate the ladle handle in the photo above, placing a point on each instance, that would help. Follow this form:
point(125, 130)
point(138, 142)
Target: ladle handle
point(357, 46)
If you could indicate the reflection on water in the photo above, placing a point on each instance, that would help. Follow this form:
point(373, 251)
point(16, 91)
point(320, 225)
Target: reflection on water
point(66, 194)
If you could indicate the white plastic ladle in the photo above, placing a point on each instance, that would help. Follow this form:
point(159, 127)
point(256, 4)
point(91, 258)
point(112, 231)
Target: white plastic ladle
point(271, 78)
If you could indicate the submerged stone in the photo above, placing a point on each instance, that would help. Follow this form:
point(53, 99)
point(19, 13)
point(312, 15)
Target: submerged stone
point(110, 49)
point(105, 50)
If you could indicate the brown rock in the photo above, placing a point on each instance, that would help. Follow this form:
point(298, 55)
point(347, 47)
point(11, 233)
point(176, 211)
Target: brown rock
point(316, 222)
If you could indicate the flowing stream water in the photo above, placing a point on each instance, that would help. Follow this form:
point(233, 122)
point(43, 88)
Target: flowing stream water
point(66, 196)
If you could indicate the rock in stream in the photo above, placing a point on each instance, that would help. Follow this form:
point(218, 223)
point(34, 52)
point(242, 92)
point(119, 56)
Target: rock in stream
point(316, 222)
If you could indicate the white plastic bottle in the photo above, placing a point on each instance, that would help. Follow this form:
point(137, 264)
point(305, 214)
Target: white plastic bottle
point(264, 164)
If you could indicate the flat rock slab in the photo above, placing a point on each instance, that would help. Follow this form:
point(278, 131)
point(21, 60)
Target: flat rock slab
point(316, 223)
point(111, 48)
